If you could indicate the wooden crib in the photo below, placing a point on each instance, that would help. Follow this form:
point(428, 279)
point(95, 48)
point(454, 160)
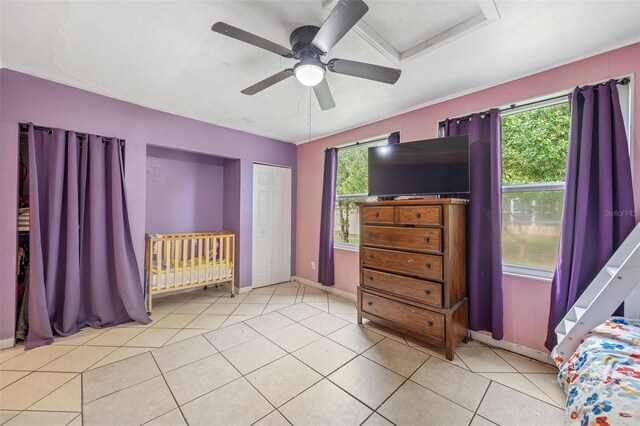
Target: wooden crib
point(171, 258)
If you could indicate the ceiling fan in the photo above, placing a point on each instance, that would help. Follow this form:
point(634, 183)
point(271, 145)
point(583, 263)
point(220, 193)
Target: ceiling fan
point(309, 45)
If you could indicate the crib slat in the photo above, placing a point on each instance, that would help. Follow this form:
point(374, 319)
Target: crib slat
point(192, 256)
point(167, 263)
point(224, 273)
point(206, 258)
point(184, 260)
point(223, 256)
point(224, 250)
point(200, 244)
point(174, 249)
point(159, 262)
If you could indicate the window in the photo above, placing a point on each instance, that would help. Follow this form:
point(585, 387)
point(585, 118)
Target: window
point(351, 187)
point(534, 160)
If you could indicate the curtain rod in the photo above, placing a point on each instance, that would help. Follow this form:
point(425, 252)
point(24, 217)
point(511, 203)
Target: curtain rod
point(25, 127)
point(351, 145)
point(621, 81)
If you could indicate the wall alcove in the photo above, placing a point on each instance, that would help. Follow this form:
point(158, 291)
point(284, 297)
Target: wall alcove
point(192, 192)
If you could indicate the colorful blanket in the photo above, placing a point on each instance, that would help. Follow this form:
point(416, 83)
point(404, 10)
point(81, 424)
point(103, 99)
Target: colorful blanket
point(602, 378)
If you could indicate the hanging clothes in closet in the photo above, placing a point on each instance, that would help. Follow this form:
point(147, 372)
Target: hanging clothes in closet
point(22, 290)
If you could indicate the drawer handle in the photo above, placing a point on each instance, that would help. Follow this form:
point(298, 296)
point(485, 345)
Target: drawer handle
point(429, 323)
point(376, 215)
point(370, 256)
point(370, 234)
point(369, 303)
point(370, 278)
point(428, 265)
point(427, 292)
point(427, 239)
point(418, 215)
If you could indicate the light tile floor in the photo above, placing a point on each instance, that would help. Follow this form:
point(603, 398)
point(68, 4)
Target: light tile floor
point(279, 355)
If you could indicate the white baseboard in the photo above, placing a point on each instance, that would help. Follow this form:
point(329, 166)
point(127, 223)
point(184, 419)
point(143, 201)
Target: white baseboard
point(244, 289)
point(330, 289)
point(7, 343)
point(483, 338)
point(513, 347)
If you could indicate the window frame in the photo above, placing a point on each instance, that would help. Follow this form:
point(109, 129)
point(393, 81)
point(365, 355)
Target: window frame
point(627, 103)
point(360, 144)
point(532, 272)
point(527, 271)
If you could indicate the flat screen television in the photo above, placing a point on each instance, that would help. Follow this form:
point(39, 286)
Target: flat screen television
point(428, 167)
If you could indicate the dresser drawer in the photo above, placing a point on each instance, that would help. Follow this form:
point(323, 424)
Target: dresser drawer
point(419, 215)
point(415, 264)
point(378, 214)
point(410, 288)
point(419, 239)
point(411, 317)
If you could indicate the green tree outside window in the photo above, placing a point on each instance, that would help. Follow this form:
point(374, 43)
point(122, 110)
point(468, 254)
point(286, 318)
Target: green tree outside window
point(352, 178)
point(534, 151)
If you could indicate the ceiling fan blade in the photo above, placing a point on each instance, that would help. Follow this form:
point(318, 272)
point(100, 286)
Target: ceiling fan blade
point(364, 70)
point(247, 37)
point(268, 82)
point(341, 19)
point(323, 94)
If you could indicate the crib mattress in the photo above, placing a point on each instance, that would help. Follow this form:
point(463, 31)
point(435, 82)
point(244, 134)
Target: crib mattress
point(179, 278)
point(602, 378)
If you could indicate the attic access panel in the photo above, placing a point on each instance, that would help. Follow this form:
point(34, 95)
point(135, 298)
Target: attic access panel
point(405, 30)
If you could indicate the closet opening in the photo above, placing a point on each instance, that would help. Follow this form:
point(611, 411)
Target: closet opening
point(22, 278)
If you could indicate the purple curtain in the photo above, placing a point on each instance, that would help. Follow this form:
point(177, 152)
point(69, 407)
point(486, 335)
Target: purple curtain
point(325, 258)
point(484, 231)
point(54, 239)
point(83, 267)
point(393, 138)
point(107, 257)
point(598, 187)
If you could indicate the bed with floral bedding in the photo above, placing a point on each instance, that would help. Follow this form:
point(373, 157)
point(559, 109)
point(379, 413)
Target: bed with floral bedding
point(602, 378)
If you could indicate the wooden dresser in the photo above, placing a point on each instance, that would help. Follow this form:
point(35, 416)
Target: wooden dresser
point(412, 269)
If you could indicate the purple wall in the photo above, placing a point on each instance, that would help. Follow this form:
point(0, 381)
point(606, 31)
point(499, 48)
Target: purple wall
point(184, 192)
point(25, 98)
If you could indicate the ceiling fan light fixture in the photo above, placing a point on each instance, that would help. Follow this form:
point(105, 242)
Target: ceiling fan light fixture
point(309, 74)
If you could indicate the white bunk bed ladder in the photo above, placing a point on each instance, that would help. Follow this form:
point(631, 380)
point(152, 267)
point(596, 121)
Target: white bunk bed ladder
point(607, 291)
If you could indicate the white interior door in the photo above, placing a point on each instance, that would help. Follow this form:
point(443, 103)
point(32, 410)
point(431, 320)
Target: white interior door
point(271, 225)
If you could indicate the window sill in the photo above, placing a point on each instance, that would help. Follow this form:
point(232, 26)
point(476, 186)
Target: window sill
point(346, 247)
point(529, 272)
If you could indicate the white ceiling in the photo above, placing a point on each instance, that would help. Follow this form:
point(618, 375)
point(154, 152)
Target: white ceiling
point(405, 24)
point(162, 54)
